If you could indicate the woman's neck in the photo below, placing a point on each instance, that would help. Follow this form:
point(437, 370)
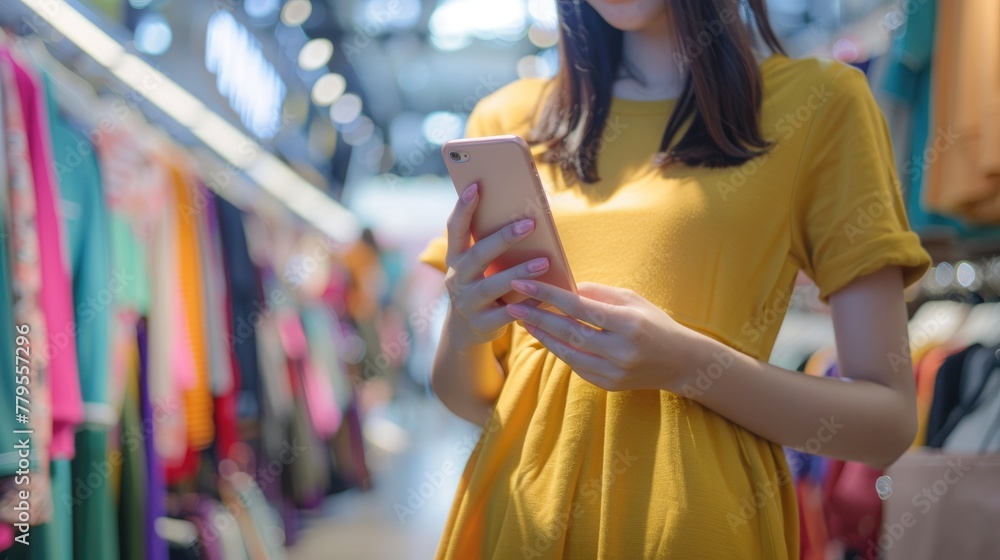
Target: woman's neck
point(653, 65)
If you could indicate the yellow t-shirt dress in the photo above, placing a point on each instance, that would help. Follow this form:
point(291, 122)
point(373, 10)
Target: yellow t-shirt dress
point(569, 470)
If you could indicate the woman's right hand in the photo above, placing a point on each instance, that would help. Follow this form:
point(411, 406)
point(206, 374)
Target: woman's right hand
point(476, 317)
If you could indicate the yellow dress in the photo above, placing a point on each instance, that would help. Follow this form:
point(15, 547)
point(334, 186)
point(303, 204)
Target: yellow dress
point(569, 470)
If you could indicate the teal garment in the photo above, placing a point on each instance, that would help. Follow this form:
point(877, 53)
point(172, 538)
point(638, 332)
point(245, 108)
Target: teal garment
point(132, 505)
point(8, 385)
point(95, 521)
point(85, 222)
point(54, 539)
point(908, 79)
point(129, 261)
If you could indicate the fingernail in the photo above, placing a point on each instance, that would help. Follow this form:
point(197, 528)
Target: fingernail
point(470, 192)
point(524, 287)
point(524, 226)
point(538, 265)
point(519, 311)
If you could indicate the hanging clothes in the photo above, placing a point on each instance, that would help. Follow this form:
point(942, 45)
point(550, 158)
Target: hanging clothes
point(964, 178)
point(56, 294)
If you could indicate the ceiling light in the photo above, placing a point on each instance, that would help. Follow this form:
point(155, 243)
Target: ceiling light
point(328, 89)
point(315, 54)
point(153, 35)
point(261, 9)
point(296, 12)
point(440, 126)
point(346, 109)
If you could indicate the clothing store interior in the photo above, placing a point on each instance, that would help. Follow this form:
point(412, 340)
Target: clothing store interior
point(219, 327)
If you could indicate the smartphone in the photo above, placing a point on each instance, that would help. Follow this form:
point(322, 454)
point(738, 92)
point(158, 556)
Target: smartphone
point(509, 190)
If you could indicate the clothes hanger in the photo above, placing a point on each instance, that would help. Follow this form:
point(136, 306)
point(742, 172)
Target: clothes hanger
point(74, 95)
point(989, 331)
point(936, 321)
point(976, 326)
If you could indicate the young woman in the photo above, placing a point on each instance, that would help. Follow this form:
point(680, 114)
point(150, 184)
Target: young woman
point(690, 178)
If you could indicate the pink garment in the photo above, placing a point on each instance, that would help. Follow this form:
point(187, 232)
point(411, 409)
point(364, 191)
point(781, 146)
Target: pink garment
point(183, 354)
point(56, 294)
point(324, 413)
point(6, 536)
point(292, 335)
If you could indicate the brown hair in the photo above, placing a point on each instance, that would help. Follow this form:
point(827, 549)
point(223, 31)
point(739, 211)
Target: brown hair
point(721, 95)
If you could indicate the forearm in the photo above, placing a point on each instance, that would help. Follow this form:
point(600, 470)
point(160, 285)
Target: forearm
point(466, 377)
point(857, 420)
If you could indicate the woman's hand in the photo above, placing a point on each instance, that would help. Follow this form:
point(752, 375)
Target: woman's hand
point(610, 336)
point(476, 317)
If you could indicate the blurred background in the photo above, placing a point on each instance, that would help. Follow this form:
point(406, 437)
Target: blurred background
point(242, 187)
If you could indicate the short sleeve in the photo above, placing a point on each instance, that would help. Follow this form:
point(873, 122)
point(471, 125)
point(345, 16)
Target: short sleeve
point(848, 218)
point(434, 253)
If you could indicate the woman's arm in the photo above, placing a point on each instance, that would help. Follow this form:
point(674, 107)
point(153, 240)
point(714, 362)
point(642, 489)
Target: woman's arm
point(870, 419)
point(467, 378)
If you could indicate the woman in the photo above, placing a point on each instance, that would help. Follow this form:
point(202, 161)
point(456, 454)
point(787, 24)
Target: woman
point(690, 179)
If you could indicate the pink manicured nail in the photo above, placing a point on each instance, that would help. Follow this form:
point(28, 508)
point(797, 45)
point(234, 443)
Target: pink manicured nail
point(519, 311)
point(538, 265)
point(524, 287)
point(524, 226)
point(470, 193)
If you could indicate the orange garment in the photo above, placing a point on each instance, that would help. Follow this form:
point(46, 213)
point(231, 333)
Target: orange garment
point(197, 398)
point(963, 151)
point(926, 370)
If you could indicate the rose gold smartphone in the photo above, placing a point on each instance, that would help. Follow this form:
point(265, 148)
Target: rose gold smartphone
point(509, 190)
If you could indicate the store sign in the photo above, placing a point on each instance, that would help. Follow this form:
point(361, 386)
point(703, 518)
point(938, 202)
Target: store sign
point(242, 74)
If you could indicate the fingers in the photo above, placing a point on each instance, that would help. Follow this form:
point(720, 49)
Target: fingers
point(598, 313)
point(492, 287)
point(490, 320)
point(576, 359)
point(459, 222)
point(475, 261)
point(603, 292)
point(567, 329)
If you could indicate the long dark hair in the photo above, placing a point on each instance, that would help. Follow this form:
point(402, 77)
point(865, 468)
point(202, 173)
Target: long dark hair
point(721, 95)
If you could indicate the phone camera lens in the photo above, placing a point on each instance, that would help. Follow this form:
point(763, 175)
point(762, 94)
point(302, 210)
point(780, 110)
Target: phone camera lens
point(455, 156)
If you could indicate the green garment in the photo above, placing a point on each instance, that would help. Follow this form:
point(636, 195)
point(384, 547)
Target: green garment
point(8, 385)
point(54, 539)
point(94, 526)
point(132, 506)
point(95, 521)
point(88, 240)
point(129, 261)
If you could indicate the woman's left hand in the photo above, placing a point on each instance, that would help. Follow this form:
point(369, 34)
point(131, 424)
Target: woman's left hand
point(612, 337)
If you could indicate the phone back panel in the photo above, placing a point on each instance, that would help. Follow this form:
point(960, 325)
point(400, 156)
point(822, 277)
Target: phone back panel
point(509, 190)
